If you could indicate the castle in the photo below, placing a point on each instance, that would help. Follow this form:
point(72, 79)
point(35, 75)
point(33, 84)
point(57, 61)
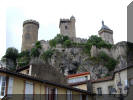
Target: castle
point(67, 28)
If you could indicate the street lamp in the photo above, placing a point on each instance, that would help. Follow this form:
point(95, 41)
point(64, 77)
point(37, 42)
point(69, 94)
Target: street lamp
point(122, 95)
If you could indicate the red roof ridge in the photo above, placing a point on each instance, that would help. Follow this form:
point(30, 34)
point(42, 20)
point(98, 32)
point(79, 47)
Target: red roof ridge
point(102, 79)
point(79, 74)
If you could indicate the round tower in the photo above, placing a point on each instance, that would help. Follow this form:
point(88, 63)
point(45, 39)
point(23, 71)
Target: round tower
point(30, 34)
point(73, 31)
point(106, 33)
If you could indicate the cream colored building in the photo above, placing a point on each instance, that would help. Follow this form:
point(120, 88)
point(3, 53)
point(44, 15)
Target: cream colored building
point(18, 86)
point(105, 85)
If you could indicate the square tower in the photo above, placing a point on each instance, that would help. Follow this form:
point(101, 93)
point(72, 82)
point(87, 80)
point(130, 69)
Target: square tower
point(67, 27)
point(106, 33)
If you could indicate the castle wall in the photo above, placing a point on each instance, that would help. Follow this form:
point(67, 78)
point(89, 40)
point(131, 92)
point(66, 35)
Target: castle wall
point(107, 37)
point(67, 27)
point(45, 45)
point(79, 40)
point(116, 51)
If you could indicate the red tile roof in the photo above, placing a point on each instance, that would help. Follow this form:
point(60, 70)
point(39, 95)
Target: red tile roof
point(79, 74)
point(102, 79)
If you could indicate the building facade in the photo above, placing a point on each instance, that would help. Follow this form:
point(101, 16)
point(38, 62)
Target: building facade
point(16, 86)
point(79, 80)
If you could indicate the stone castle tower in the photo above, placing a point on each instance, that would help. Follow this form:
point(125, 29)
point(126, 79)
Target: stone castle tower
point(106, 34)
point(67, 27)
point(30, 34)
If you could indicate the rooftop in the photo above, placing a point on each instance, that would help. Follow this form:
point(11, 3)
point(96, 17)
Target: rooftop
point(79, 74)
point(4, 70)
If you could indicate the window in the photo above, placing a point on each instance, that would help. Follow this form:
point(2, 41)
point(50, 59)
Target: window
point(27, 71)
point(2, 86)
point(69, 95)
point(27, 36)
point(10, 86)
point(110, 88)
point(66, 27)
point(28, 91)
point(51, 93)
point(99, 91)
point(78, 79)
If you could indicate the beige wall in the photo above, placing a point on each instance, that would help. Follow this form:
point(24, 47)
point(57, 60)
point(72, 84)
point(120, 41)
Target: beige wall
point(104, 85)
point(82, 86)
point(39, 88)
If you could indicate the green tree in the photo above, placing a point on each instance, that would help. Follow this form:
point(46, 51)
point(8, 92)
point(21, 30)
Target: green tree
point(11, 53)
point(108, 62)
point(23, 58)
point(34, 52)
point(47, 54)
point(10, 58)
point(53, 43)
point(67, 43)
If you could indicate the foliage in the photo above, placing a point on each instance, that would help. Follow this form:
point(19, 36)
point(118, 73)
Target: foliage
point(67, 43)
point(53, 43)
point(11, 53)
point(97, 41)
point(23, 58)
point(60, 39)
point(38, 45)
point(109, 62)
point(23, 61)
point(34, 52)
point(10, 58)
point(24, 53)
point(47, 54)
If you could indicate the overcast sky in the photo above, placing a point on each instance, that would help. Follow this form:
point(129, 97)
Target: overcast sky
point(88, 14)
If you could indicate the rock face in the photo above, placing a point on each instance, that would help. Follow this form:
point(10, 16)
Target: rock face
point(74, 60)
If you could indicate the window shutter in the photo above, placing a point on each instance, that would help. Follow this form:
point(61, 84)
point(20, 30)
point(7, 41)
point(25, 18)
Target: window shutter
point(71, 94)
point(56, 93)
point(29, 91)
point(86, 97)
point(10, 85)
point(80, 96)
point(47, 93)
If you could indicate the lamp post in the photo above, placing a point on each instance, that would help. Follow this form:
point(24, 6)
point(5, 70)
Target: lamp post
point(120, 88)
point(120, 85)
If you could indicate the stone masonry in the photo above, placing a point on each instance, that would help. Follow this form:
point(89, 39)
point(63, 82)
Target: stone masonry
point(30, 34)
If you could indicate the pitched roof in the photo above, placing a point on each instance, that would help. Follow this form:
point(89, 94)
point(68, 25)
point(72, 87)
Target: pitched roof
point(110, 77)
point(79, 74)
point(22, 68)
point(3, 70)
point(102, 79)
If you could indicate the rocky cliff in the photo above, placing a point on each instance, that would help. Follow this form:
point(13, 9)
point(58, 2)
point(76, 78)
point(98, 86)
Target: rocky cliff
point(70, 60)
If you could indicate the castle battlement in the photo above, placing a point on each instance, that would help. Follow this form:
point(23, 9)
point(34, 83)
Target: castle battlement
point(31, 21)
point(67, 27)
point(79, 40)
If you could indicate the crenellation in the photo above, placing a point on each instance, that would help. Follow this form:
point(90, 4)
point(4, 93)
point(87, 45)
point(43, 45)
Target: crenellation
point(67, 27)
